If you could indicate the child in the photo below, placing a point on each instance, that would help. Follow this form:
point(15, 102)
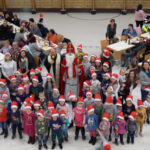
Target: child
point(72, 98)
point(122, 76)
point(104, 126)
point(42, 100)
point(86, 65)
point(89, 100)
point(93, 59)
point(55, 125)
point(41, 129)
point(86, 87)
point(114, 82)
point(141, 117)
point(37, 106)
point(119, 128)
point(64, 127)
point(26, 83)
point(35, 87)
point(110, 108)
point(80, 52)
point(16, 120)
point(128, 107)
point(119, 105)
point(98, 107)
point(79, 118)
point(98, 68)
point(13, 87)
point(92, 124)
point(3, 87)
point(63, 106)
point(32, 73)
point(48, 88)
point(95, 84)
point(29, 123)
point(38, 74)
point(3, 119)
point(19, 76)
point(131, 127)
point(55, 96)
point(147, 106)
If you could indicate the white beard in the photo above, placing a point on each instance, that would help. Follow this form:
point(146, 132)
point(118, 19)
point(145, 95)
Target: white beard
point(69, 59)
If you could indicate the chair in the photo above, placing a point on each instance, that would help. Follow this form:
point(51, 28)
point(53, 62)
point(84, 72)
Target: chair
point(104, 44)
point(140, 53)
point(36, 59)
point(123, 37)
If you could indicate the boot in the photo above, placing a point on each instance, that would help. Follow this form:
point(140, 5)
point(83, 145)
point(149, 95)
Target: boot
point(20, 135)
point(76, 138)
point(2, 133)
point(91, 140)
point(132, 140)
point(53, 145)
point(29, 140)
point(60, 146)
point(147, 121)
point(94, 141)
point(45, 146)
point(40, 147)
point(128, 140)
point(83, 137)
point(32, 140)
point(109, 138)
point(116, 142)
point(5, 134)
point(13, 136)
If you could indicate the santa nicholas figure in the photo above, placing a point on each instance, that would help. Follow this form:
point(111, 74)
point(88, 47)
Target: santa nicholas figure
point(71, 73)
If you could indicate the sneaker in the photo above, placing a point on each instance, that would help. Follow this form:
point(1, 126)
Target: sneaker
point(40, 147)
point(60, 146)
point(84, 138)
point(13, 137)
point(53, 146)
point(141, 134)
point(76, 138)
point(45, 146)
point(122, 143)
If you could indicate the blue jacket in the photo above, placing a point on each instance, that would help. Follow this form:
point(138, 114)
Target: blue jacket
point(134, 33)
point(15, 117)
point(92, 121)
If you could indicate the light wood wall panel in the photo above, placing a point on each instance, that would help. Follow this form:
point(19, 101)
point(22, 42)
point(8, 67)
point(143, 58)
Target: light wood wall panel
point(48, 3)
point(18, 3)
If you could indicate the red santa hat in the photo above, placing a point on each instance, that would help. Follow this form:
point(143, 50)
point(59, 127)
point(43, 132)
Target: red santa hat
point(109, 100)
point(41, 15)
point(107, 50)
point(14, 104)
point(12, 77)
point(4, 94)
point(49, 75)
point(61, 98)
point(70, 48)
point(120, 115)
point(106, 116)
point(50, 105)
point(147, 88)
point(98, 60)
point(119, 103)
point(133, 115)
point(81, 100)
point(85, 55)
point(114, 76)
point(140, 103)
point(94, 73)
point(87, 83)
point(32, 100)
point(32, 97)
point(39, 69)
point(41, 113)
point(27, 100)
point(94, 55)
point(71, 95)
point(55, 113)
point(25, 77)
point(35, 78)
point(37, 104)
point(55, 88)
point(28, 106)
point(21, 87)
point(90, 108)
point(32, 72)
point(108, 74)
point(98, 98)
point(106, 54)
point(129, 98)
point(80, 46)
point(19, 71)
point(7, 54)
point(1, 101)
point(89, 92)
point(106, 146)
point(3, 81)
point(106, 64)
point(62, 113)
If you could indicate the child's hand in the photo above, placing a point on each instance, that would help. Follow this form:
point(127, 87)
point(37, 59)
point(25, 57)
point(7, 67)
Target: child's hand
point(36, 134)
point(46, 134)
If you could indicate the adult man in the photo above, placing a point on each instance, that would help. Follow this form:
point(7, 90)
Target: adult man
point(52, 63)
point(72, 73)
point(19, 37)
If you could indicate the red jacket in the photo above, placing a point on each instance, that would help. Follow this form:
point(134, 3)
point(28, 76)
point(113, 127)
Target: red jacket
point(3, 115)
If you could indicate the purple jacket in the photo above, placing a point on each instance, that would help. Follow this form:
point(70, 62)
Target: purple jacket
point(105, 128)
point(121, 126)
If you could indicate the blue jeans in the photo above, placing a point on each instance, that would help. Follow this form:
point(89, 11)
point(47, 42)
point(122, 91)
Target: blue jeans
point(130, 136)
point(148, 114)
point(42, 138)
point(3, 125)
point(143, 95)
point(65, 134)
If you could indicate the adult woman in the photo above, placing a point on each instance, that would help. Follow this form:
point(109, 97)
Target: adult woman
point(52, 36)
point(144, 79)
point(9, 66)
point(111, 30)
point(140, 15)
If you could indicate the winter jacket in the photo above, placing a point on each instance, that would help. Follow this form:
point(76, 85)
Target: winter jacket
point(41, 127)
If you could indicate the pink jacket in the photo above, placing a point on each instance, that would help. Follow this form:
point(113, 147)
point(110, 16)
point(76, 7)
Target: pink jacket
point(140, 15)
point(79, 116)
